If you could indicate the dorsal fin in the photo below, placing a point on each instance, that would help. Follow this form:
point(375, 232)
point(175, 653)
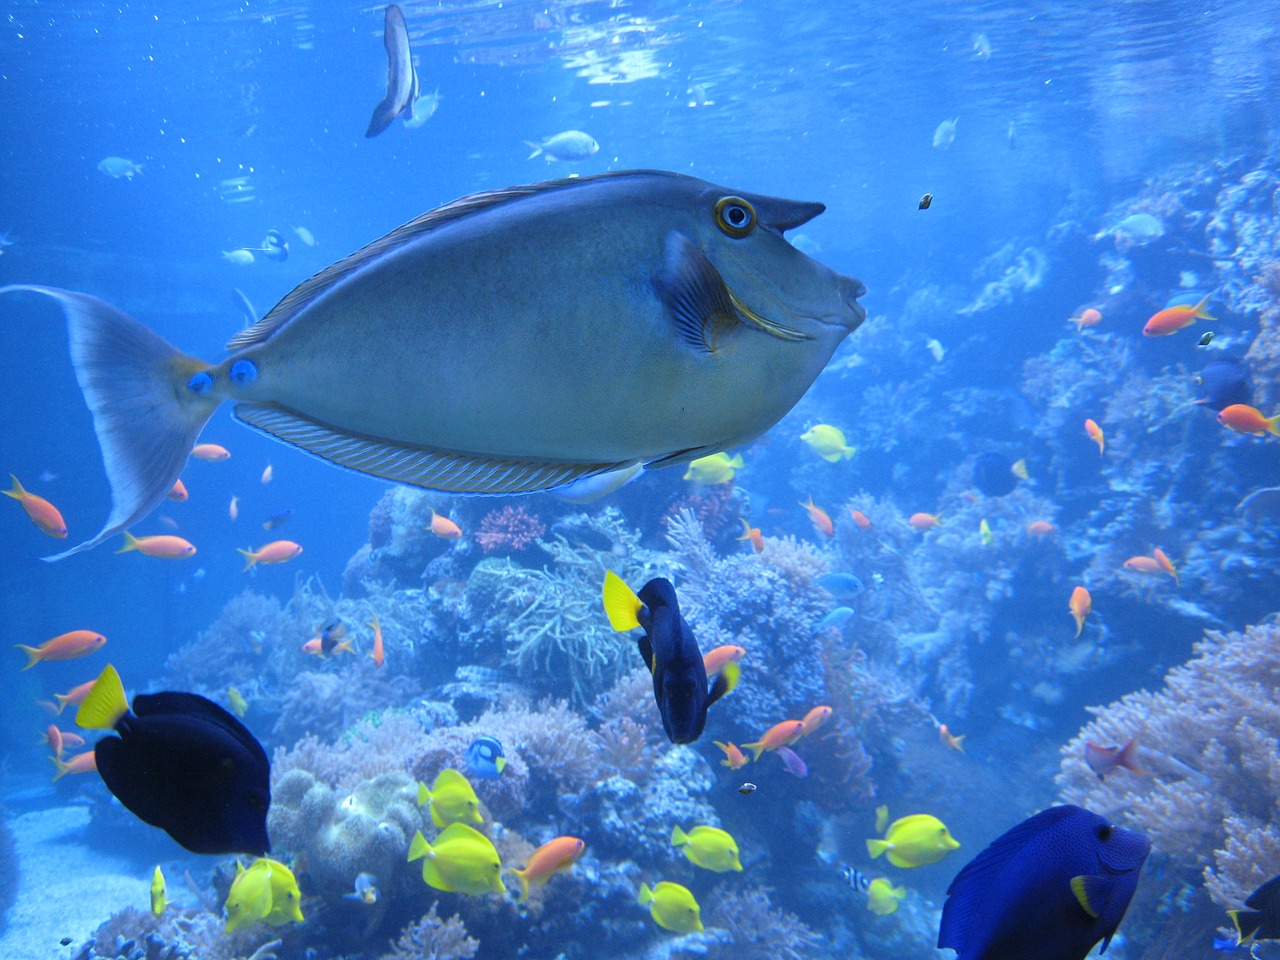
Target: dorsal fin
point(307, 291)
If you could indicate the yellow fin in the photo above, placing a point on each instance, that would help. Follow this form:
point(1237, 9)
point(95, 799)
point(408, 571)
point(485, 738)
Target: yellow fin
point(418, 847)
point(882, 818)
point(620, 603)
point(424, 795)
point(1092, 893)
point(105, 703)
point(678, 836)
point(130, 542)
point(877, 847)
point(16, 492)
point(158, 899)
point(646, 894)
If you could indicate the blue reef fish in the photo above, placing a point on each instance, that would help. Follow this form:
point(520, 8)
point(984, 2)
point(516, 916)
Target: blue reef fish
point(182, 763)
point(366, 890)
point(1223, 382)
point(1262, 920)
point(725, 325)
point(671, 653)
point(842, 586)
point(485, 758)
point(834, 620)
point(402, 79)
point(1048, 889)
point(278, 519)
point(856, 879)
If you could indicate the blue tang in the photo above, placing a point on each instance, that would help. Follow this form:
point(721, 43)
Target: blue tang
point(671, 653)
point(1048, 889)
point(485, 758)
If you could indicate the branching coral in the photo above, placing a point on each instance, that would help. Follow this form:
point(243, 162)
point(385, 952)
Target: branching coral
point(510, 529)
point(757, 929)
point(431, 938)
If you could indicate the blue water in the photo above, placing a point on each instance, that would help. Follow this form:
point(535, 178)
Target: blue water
point(1071, 116)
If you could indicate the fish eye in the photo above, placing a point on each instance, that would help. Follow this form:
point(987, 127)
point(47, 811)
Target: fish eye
point(200, 383)
point(243, 372)
point(1104, 832)
point(735, 217)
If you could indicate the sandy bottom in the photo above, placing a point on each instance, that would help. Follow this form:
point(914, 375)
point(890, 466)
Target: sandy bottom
point(66, 889)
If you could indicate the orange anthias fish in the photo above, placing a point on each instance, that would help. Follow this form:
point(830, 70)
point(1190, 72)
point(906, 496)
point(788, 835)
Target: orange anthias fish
point(73, 696)
point(734, 758)
point(1096, 435)
point(42, 513)
point(443, 527)
point(316, 647)
point(1040, 528)
point(1166, 565)
point(713, 661)
point(210, 452)
point(860, 518)
point(1081, 606)
point(821, 521)
point(1172, 319)
point(1087, 318)
point(67, 646)
point(58, 740)
point(179, 491)
point(549, 859)
point(80, 763)
point(949, 740)
point(779, 735)
point(813, 720)
point(1105, 760)
point(1239, 417)
point(920, 522)
point(752, 534)
point(165, 547)
point(377, 656)
point(277, 551)
point(1143, 565)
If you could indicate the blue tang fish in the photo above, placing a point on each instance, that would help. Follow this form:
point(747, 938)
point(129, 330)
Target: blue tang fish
point(1048, 889)
point(485, 758)
point(181, 763)
point(671, 653)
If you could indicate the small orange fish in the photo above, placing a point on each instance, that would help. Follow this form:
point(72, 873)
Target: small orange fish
point(1166, 565)
point(267, 474)
point(164, 547)
point(1087, 318)
point(444, 528)
point(1096, 435)
point(920, 522)
point(179, 491)
point(1040, 528)
point(753, 534)
point(73, 696)
point(1172, 319)
point(80, 763)
point(860, 518)
point(233, 511)
point(714, 660)
point(779, 735)
point(813, 720)
point(42, 513)
point(1142, 565)
point(1081, 606)
point(549, 859)
point(821, 522)
point(377, 656)
point(210, 452)
point(67, 646)
point(1105, 760)
point(734, 758)
point(277, 551)
point(58, 740)
point(1239, 417)
point(315, 647)
point(950, 741)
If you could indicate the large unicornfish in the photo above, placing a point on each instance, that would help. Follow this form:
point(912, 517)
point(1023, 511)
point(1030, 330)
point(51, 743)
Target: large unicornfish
point(508, 342)
point(402, 78)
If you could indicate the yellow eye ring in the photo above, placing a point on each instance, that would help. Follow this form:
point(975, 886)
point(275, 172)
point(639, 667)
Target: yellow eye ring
point(735, 217)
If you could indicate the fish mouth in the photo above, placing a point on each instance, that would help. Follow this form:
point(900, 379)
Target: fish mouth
point(852, 313)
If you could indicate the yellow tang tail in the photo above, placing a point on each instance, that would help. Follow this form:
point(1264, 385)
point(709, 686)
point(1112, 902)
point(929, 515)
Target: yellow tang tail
point(621, 603)
point(877, 847)
point(646, 894)
point(678, 837)
point(418, 847)
point(105, 703)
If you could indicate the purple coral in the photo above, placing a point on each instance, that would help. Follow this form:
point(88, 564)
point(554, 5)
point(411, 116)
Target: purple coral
point(510, 530)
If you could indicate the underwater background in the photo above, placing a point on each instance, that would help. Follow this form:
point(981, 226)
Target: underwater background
point(1115, 157)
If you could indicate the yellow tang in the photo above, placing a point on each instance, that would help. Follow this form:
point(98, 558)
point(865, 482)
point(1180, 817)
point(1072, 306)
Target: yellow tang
point(462, 860)
point(158, 898)
point(828, 442)
point(286, 898)
point(914, 841)
point(672, 907)
point(708, 847)
point(452, 799)
point(249, 899)
point(883, 896)
point(717, 468)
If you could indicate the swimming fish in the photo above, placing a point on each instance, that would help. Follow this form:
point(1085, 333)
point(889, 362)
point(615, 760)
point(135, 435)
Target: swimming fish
point(671, 653)
point(855, 878)
point(212, 452)
point(241, 256)
point(181, 763)
point(1096, 435)
point(1089, 317)
point(332, 640)
point(842, 586)
point(402, 79)
point(984, 532)
point(1166, 565)
point(86, 762)
point(714, 469)
point(1040, 528)
point(1172, 319)
point(233, 508)
point(1223, 382)
point(672, 907)
point(365, 890)
point(119, 168)
point(178, 493)
point(945, 134)
point(834, 620)
point(828, 442)
point(41, 512)
point(165, 547)
point(265, 891)
point(727, 325)
point(378, 655)
point(452, 799)
point(570, 145)
point(814, 719)
point(860, 518)
point(1104, 761)
point(1140, 564)
point(1262, 920)
point(1243, 418)
point(792, 762)
point(268, 474)
point(1047, 889)
point(75, 695)
point(239, 705)
point(819, 518)
point(1206, 338)
point(485, 758)
point(914, 841)
point(734, 758)
point(277, 551)
point(551, 858)
point(159, 895)
point(277, 520)
point(66, 646)
point(708, 847)
point(461, 860)
point(923, 522)
point(1080, 606)
point(747, 788)
point(779, 735)
point(883, 896)
point(753, 535)
point(950, 740)
point(59, 740)
point(443, 527)
point(423, 111)
point(995, 475)
point(715, 660)
point(926, 201)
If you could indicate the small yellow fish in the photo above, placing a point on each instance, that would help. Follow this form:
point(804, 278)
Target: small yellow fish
point(914, 841)
point(672, 907)
point(708, 847)
point(452, 799)
point(717, 468)
point(984, 531)
point(828, 442)
point(1019, 469)
point(239, 705)
point(267, 891)
point(462, 860)
point(883, 896)
point(158, 899)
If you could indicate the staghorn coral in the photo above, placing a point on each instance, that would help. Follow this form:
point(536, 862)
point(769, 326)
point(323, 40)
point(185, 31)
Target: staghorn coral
point(431, 938)
point(757, 929)
point(1209, 739)
point(511, 530)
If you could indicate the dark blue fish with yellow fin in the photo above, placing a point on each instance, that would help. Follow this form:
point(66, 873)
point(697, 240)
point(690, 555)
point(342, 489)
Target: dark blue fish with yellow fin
point(671, 653)
point(485, 757)
point(1048, 889)
point(182, 763)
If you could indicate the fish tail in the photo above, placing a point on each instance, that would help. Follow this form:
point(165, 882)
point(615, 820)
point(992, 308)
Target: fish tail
point(419, 847)
point(877, 847)
point(249, 558)
point(105, 703)
point(678, 836)
point(1128, 757)
point(146, 410)
point(1247, 922)
point(130, 542)
point(620, 603)
point(16, 490)
point(62, 767)
point(1273, 426)
point(34, 655)
point(424, 795)
point(537, 149)
point(344, 647)
point(646, 894)
point(523, 877)
point(1199, 311)
point(736, 461)
point(755, 748)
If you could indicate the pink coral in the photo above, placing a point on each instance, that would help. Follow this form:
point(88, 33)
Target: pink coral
point(510, 529)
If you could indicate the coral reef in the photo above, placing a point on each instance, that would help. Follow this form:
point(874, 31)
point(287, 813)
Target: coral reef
point(757, 929)
point(431, 937)
point(509, 530)
point(178, 934)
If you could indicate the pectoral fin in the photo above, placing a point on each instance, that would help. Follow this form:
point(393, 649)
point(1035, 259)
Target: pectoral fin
point(725, 681)
point(1093, 893)
point(695, 294)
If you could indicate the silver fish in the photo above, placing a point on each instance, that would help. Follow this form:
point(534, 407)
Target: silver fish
point(945, 134)
point(402, 78)
point(119, 167)
point(508, 342)
point(566, 145)
point(423, 110)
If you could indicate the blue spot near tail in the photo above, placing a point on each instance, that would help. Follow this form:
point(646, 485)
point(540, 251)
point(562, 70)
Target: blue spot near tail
point(244, 372)
point(200, 384)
